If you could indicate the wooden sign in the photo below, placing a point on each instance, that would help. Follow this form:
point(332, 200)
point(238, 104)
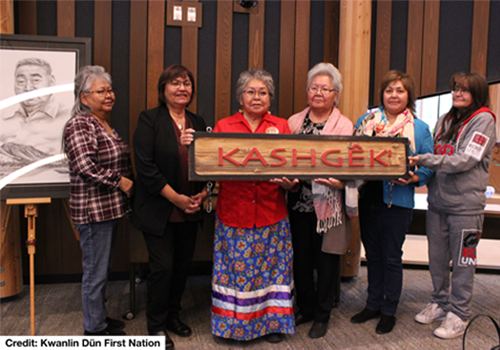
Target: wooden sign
point(233, 156)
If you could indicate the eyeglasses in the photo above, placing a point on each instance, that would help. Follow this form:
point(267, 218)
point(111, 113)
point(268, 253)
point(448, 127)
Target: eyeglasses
point(252, 93)
point(101, 93)
point(461, 89)
point(176, 83)
point(323, 90)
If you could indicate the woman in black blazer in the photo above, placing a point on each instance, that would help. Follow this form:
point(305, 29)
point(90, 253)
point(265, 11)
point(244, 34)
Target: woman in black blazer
point(167, 207)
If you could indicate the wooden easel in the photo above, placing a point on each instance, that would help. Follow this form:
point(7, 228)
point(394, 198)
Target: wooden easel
point(30, 212)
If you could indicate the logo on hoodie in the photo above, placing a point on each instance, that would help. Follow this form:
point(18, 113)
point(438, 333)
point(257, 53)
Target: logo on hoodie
point(468, 247)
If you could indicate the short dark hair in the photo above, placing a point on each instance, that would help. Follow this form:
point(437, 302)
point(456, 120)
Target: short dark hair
point(408, 83)
point(169, 74)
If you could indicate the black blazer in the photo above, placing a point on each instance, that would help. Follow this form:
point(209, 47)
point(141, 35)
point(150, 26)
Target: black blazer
point(156, 162)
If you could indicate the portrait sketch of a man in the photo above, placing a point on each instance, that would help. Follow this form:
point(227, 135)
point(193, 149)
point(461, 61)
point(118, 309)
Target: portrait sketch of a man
point(31, 130)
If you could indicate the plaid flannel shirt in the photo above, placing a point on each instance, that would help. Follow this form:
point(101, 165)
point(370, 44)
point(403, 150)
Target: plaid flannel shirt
point(97, 161)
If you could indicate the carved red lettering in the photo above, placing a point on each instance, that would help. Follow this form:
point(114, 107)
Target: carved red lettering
point(257, 156)
point(312, 157)
point(274, 155)
point(377, 158)
point(355, 149)
point(223, 156)
point(326, 153)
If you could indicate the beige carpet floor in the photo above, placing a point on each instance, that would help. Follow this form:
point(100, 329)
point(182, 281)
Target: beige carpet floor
point(58, 312)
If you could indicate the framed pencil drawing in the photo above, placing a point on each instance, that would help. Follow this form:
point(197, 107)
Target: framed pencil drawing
point(36, 97)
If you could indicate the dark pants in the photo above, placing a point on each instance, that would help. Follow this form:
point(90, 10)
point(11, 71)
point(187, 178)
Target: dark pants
point(307, 256)
point(170, 258)
point(383, 232)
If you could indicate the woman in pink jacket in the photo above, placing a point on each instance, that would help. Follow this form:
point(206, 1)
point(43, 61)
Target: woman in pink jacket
point(320, 227)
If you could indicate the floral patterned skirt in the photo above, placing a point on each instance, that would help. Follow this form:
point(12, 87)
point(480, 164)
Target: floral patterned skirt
point(252, 281)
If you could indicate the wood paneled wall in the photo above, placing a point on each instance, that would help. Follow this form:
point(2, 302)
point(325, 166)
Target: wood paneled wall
point(354, 63)
point(426, 39)
point(150, 49)
point(480, 36)
point(148, 43)
point(66, 18)
point(7, 17)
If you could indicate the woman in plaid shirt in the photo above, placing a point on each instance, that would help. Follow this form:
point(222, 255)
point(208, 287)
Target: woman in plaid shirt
point(100, 187)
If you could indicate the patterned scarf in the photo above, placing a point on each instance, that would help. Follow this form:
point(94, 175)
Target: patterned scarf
point(377, 124)
point(327, 201)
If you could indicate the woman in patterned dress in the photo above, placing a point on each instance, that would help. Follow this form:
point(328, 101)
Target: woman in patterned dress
point(252, 284)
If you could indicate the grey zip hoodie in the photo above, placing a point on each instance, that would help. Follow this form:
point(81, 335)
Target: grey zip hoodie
point(461, 166)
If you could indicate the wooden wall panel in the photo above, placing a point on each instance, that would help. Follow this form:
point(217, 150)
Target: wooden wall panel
point(332, 16)
point(223, 60)
point(256, 38)
point(302, 31)
point(495, 106)
point(430, 47)
point(287, 58)
point(354, 57)
point(354, 63)
point(102, 33)
point(6, 17)
point(382, 46)
point(189, 55)
point(66, 18)
point(480, 29)
point(138, 62)
point(11, 277)
point(71, 253)
point(27, 17)
point(156, 30)
point(414, 42)
point(49, 249)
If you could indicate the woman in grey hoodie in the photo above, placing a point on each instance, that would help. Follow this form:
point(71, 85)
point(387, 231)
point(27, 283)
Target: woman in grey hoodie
point(463, 141)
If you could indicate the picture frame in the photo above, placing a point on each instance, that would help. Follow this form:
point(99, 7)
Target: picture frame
point(31, 127)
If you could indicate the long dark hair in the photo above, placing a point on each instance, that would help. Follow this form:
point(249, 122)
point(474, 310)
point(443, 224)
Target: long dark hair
point(479, 90)
point(169, 74)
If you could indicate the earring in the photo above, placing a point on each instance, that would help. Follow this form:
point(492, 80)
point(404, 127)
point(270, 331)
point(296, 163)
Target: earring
point(241, 110)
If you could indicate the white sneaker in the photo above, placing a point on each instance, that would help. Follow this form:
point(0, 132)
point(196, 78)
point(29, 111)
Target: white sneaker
point(430, 314)
point(452, 327)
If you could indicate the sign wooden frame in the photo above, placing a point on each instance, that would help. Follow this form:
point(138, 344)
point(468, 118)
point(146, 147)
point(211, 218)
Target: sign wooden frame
point(235, 156)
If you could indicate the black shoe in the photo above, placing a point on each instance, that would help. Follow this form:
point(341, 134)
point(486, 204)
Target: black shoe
point(114, 324)
point(300, 318)
point(169, 344)
point(365, 315)
point(273, 338)
point(106, 331)
point(181, 329)
point(318, 330)
point(386, 324)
